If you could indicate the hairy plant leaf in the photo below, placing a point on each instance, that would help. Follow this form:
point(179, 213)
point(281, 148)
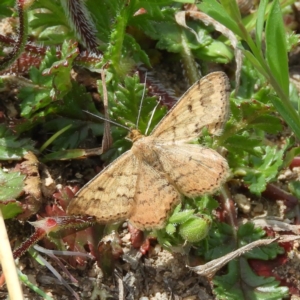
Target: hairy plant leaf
point(11, 185)
point(12, 147)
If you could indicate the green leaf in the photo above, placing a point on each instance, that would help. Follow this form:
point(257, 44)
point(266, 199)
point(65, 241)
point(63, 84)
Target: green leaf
point(115, 53)
point(267, 123)
point(239, 143)
point(12, 147)
point(37, 96)
point(10, 209)
point(65, 155)
point(170, 229)
point(264, 169)
point(288, 114)
point(232, 9)
point(289, 156)
point(124, 102)
point(276, 48)
point(242, 283)
point(134, 50)
point(216, 51)
point(48, 23)
point(256, 63)
point(72, 138)
point(260, 22)
point(61, 70)
point(294, 187)
point(11, 185)
point(248, 233)
point(35, 288)
point(40, 19)
point(5, 11)
point(217, 12)
point(181, 216)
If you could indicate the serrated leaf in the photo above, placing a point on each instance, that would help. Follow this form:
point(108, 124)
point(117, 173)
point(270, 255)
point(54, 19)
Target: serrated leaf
point(254, 114)
point(33, 100)
point(264, 169)
point(248, 233)
point(124, 106)
point(61, 70)
point(239, 143)
point(135, 51)
point(267, 123)
point(220, 241)
point(12, 147)
point(11, 185)
point(37, 96)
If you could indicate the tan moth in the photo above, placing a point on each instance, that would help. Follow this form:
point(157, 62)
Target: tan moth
point(146, 182)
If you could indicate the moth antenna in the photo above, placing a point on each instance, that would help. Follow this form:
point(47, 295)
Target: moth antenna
point(152, 114)
point(108, 120)
point(141, 104)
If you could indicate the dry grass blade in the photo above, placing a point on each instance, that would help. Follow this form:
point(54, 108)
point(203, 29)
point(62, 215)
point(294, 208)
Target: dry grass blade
point(107, 138)
point(8, 264)
point(215, 265)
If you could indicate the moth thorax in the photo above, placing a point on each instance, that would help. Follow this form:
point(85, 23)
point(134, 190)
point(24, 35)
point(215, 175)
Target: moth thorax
point(143, 148)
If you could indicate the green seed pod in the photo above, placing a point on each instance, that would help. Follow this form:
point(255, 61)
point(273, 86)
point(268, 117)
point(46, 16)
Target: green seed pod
point(195, 229)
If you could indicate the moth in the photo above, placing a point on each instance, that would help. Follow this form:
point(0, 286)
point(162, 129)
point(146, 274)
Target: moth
point(145, 183)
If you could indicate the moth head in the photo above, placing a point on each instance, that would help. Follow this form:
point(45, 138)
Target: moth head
point(134, 135)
